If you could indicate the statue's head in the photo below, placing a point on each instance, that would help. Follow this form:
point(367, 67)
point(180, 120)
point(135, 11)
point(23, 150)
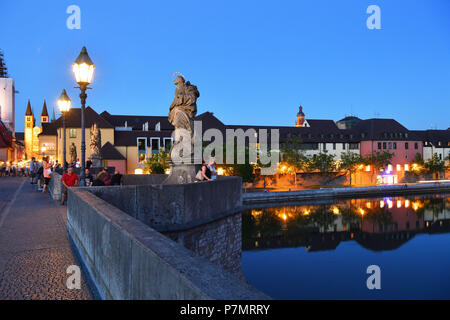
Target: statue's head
point(179, 80)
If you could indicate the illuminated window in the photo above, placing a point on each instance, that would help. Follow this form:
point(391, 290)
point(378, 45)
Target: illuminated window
point(406, 167)
point(154, 142)
point(142, 149)
point(72, 133)
point(167, 144)
point(399, 167)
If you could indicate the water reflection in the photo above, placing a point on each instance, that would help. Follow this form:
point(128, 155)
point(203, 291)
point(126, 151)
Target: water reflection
point(376, 224)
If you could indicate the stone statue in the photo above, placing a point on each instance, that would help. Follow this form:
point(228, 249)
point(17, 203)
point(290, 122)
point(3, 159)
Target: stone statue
point(96, 145)
point(181, 115)
point(183, 108)
point(73, 152)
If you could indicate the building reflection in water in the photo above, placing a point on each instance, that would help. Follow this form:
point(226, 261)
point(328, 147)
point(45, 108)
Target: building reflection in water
point(376, 224)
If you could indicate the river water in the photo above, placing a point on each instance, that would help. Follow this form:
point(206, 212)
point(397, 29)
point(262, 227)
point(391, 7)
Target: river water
point(322, 250)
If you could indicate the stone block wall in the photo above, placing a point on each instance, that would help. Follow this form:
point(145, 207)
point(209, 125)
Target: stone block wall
point(55, 187)
point(175, 206)
point(129, 260)
point(220, 242)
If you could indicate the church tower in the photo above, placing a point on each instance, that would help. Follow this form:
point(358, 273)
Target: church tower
point(44, 114)
point(300, 118)
point(28, 134)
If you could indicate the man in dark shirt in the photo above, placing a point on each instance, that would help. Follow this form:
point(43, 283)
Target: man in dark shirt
point(116, 179)
point(89, 178)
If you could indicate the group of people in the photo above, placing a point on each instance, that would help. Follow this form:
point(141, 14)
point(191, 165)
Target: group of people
point(40, 172)
point(103, 178)
point(9, 169)
point(208, 171)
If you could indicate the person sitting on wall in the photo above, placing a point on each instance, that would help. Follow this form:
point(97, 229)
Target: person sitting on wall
point(89, 178)
point(100, 179)
point(204, 174)
point(116, 179)
point(69, 180)
point(107, 180)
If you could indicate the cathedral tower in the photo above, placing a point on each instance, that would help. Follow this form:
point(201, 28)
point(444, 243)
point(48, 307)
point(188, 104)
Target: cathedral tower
point(28, 132)
point(44, 114)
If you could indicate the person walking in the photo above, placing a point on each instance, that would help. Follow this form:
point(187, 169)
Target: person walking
point(40, 176)
point(33, 170)
point(47, 171)
point(69, 180)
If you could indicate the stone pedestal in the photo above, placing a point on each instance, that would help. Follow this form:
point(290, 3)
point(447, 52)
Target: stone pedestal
point(181, 173)
point(96, 161)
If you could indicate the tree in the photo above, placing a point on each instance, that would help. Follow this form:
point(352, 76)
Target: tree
point(323, 162)
point(350, 162)
point(157, 164)
point(292, 154)
point(378, 160)
point(435, 165)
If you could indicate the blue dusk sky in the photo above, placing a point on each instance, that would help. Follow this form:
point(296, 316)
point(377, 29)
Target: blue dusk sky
point(254, 62)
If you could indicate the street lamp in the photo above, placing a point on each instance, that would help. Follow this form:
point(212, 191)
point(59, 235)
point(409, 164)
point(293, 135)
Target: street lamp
point(64, 103)
point(83, 69)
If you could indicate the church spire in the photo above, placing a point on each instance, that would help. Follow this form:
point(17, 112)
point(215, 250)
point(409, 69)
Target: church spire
point(29, 112)
point(44, 113)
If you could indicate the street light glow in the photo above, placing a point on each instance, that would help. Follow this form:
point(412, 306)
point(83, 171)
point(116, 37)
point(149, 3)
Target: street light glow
point(83, 68)
point(64, 102)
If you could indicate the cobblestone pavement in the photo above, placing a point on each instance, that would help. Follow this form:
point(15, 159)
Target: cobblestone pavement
point(34, 245)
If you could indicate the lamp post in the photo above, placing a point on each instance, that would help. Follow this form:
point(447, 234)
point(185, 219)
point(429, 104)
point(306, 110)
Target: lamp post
point(64, 103)
point(83, 69)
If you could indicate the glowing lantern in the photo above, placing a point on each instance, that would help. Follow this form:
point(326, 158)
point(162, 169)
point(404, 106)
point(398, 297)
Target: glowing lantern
point(406, 203)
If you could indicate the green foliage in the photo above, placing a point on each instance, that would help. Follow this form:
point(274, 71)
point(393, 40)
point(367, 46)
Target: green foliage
point(350, 162)
point(418, 159)
point(245, 171)
point(157, 164)
point(379, 159)
point(323, 162)
point(434, 165)
point(292, 154)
